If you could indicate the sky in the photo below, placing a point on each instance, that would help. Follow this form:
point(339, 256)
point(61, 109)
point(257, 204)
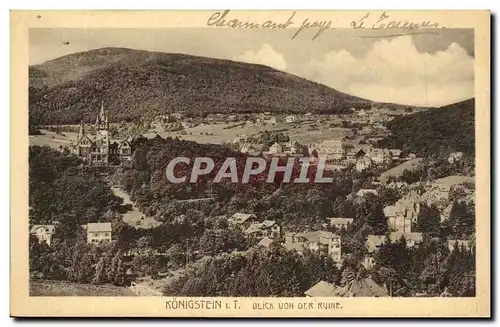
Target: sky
point(432, 69)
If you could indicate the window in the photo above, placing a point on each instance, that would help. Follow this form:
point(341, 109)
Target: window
point(106, 234)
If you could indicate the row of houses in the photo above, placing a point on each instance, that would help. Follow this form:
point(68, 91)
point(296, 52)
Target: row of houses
point(95, 232)
point(288, 148)
point(362, 157)
point(323, 242)
point(268, 231)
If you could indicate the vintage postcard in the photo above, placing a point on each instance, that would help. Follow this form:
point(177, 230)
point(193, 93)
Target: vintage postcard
point(250, 164)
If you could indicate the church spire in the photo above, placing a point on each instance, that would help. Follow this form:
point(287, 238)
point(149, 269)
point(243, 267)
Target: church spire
point(101, 114)
point(81, 131)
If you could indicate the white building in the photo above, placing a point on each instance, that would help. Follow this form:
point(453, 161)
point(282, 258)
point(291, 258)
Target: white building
point(455, 157)
point(43, 233)
point(276, 148)
point(317, 241)
point(98, 232)
point(363, 163)
point(334, 149)
point(364, 191)
point(380, 156)
point(339, 222)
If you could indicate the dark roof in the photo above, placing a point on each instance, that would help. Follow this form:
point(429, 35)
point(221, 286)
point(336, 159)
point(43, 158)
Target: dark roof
point(321, 289)
point(362, 288)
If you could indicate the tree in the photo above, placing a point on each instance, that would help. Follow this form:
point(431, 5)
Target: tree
point(462, 220)
point(116, 271)
point(372, 213)
point(461, 273)
point(411, 176)
point(389, 195)
point(433, 277)
point(100, 273)
point(428, 220)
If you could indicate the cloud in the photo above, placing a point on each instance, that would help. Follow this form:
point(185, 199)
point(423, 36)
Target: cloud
point(394, 71)
point(266, 55)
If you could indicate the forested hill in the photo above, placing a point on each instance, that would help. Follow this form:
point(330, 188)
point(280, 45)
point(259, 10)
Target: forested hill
point(443, 130)
point(137, 83)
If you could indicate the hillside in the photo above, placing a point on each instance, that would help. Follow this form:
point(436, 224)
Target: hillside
point(446, 129)
point(137, 83)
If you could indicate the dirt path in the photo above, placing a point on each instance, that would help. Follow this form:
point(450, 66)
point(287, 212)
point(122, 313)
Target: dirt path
point(134, 217)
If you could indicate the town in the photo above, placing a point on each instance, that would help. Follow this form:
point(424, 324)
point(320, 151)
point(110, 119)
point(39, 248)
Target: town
point(393, 222)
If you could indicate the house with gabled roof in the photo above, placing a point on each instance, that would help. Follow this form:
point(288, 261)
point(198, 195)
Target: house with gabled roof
point(324, 242)
point(321, 289)
point(243, 219)
point(267, 228)
point(265, 242)
point(365, 287)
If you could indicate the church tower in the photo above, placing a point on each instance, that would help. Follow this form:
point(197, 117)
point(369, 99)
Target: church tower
point(102, 122)
point(81, 131)
point(102, 129)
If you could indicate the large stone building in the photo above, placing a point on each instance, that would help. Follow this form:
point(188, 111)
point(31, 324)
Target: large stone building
point(98, 148)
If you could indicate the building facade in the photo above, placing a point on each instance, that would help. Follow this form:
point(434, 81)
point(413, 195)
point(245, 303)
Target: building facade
point(43, 233)
point(98, 232)
point(98, 149)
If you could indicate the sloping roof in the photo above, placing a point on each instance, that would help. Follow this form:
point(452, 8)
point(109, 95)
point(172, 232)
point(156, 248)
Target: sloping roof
point(321, 289)
point(454, 180)
point(316, 236)
point(258, 226)
point(99, 227)
point(253, 228)
point(268, 223)
point(340, 220)
point(398, 170)
point(361, 288)
point(354, 151)
point(312, 237)
point(373, 242)
point(415, 236)
point(241, 217)
point(446, 212)
point(390, 211)
point(47, 228)
point(298, 246)
point(364, 191)
point(266, 242)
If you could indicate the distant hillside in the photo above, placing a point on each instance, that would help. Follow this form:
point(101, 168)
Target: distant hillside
point(449, 128)
point(137, 83)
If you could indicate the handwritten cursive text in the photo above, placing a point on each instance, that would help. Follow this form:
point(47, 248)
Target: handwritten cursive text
point(220, 19)
point(384, 21)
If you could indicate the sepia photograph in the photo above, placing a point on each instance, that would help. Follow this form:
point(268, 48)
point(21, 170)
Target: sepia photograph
point(256, 157)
